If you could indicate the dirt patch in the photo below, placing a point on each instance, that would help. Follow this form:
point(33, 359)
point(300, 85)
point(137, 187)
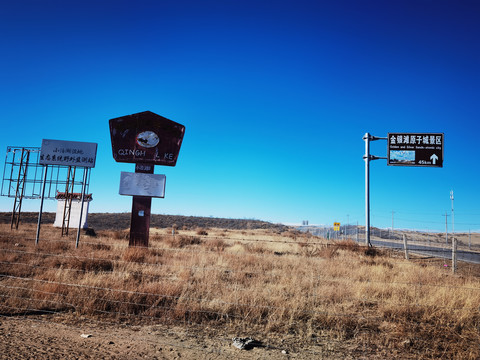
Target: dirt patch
point(63, 337)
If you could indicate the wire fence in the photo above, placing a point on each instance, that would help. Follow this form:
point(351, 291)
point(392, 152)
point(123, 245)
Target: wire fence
point(283, 283)
point(440, 242)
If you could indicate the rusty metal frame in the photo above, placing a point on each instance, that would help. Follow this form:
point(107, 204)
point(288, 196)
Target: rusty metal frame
point(12, 172)
point(20, 188)
point(23, 177)
point(67, 208)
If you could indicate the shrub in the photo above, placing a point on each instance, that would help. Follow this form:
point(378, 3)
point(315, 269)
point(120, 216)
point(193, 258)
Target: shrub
point(135, 254)
point(183, 240)
point(216, 245)
point(91, 265)
point(202, 232)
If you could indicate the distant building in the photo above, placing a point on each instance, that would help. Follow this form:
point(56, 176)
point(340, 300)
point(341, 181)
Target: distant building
point(74, 211)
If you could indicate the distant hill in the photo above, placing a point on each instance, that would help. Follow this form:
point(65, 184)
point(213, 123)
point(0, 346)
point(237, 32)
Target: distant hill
point(103, 221)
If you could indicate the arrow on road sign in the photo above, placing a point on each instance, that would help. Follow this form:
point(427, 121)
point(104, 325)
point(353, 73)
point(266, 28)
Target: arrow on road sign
point(434, 158)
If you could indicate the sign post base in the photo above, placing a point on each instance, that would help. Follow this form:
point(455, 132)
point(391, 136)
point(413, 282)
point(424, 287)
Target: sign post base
point(140, 219)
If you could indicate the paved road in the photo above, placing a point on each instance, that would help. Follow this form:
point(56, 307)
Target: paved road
point(439, 252)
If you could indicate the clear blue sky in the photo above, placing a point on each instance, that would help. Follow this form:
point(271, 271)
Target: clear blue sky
point(275, 97)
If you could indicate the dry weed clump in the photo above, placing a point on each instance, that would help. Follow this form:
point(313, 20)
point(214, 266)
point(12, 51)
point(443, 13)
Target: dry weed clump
point(114, 234)
point(181, 241)
point(295, 286)
point(216, 244)
point(91, 265)
point(202, 232)
point(135, 255)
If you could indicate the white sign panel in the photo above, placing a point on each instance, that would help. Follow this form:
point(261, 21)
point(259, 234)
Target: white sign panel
point(68, 153)
point(140, 184)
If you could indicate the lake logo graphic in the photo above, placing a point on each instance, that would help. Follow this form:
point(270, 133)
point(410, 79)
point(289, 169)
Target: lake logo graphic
point(147, 139)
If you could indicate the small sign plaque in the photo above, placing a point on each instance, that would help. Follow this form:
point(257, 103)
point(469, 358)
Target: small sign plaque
point(415, 149)
point(68, 153)
point(336, 226)
point(140, 184)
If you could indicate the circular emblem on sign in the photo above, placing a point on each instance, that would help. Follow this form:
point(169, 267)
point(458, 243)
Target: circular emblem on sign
point(147, 139)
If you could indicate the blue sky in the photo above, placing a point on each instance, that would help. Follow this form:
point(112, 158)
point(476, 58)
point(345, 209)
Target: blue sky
point(275, 97)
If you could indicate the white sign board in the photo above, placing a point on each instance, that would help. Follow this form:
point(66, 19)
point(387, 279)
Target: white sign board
point(68, 153)
point(140, 184)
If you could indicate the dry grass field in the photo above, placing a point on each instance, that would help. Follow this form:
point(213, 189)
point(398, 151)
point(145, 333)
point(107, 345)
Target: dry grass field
point(287, 290)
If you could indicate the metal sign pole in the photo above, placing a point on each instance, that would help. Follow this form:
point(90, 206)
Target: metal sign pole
point(85, 172)
point(41, 205)
point(366, 157)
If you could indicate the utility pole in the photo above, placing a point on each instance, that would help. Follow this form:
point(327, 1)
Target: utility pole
point(446, 228)
point(453, 214)
point(454, 240)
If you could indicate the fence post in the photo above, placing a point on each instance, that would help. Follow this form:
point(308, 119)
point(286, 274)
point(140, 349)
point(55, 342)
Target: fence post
point(356, 234)
point(405, 246)
point(454, 254)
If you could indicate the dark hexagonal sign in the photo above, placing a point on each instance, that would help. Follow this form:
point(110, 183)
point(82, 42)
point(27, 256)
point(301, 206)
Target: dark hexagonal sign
point(146, 137)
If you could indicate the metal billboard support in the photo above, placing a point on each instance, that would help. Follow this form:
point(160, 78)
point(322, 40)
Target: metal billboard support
point(66, 153)
point(82, 199)
point(41, 204)
point(20, 189)
point(67, 208)
point(27, 176)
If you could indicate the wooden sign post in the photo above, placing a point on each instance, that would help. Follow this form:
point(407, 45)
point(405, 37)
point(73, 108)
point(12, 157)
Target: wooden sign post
point(146, 139)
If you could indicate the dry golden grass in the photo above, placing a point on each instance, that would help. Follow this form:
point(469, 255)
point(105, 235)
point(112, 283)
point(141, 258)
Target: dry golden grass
point(282, 283)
